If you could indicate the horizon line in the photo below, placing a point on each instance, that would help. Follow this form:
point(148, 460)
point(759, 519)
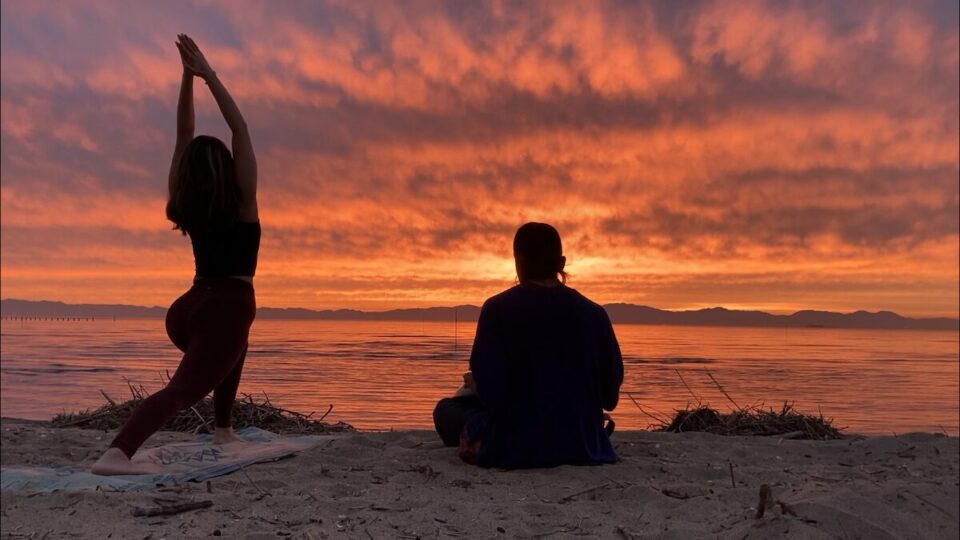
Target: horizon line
point(676, 310)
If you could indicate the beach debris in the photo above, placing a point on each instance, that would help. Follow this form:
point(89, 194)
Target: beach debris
point(766, 499)
point(722, 389)
point(573, 496)
point(753, 420)
point(786, 510)
point(424, 469)
point(654, 417)
point(565, 529)
point(199, 418)
point(171, 509)
point(785, 423)
point(929, 502)
point(675, 494)
point(261, 492)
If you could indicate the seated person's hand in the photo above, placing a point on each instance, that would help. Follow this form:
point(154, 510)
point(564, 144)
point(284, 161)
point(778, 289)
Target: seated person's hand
point(469, 382)
point(469, 387)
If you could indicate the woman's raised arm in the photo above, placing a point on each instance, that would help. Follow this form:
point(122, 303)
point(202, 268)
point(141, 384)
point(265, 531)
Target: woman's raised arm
point(185, 123)
point(245, 161)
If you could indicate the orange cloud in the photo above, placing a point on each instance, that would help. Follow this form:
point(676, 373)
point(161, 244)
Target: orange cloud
point(777, 155)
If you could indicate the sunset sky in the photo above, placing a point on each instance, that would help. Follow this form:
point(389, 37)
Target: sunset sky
point(777, 156)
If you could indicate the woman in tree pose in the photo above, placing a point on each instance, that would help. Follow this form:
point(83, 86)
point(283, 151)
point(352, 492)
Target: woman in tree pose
point(213, 199)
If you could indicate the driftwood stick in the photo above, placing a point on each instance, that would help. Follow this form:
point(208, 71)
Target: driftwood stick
point(930, 503)
point(172, 509)
point(106, 397)
point(85, 419)
point(572, 496)
point(291, 413)
point(203, 422)
point(644, 411)
point(739, 408)
point(330, 408)
point(254, 484)
point(732, 481)
point(764, 501)
point(687, 386)
point(674, 494)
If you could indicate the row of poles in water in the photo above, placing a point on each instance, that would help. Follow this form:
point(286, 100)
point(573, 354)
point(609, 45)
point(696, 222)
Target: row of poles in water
point(90, 319)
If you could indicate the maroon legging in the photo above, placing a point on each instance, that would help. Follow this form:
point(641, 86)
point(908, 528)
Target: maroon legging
point(210, 324)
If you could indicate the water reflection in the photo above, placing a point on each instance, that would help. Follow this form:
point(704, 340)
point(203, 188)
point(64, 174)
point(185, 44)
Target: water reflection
point(382, 375)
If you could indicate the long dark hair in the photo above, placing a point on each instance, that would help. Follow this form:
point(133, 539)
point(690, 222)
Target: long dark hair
point(538, 252)
point(204, 194)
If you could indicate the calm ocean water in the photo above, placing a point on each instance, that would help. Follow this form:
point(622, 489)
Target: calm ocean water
point(382, 375)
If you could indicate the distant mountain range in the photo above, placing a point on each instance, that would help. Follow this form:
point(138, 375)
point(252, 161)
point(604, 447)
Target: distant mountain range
point(619, 313)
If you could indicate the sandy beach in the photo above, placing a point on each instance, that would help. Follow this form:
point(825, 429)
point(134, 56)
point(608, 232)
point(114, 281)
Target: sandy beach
point(406, 485)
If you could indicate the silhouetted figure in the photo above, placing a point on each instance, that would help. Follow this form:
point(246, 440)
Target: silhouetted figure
point(545, 364)
point(213, 198)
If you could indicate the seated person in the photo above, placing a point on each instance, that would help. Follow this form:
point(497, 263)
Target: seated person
point(545, 364)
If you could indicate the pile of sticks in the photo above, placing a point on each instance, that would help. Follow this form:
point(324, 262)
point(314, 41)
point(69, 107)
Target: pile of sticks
point(200, 419)
point(785, 423)
point(753, 420)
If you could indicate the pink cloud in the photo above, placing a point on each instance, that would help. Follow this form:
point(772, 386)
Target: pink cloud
point(401, 145)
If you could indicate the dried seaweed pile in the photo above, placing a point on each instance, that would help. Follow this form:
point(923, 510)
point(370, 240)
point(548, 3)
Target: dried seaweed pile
point(752, 421)
point(199, 418)
point(786, 423)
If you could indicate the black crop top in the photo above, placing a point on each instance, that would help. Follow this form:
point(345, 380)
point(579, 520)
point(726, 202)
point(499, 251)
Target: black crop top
point(231, 251)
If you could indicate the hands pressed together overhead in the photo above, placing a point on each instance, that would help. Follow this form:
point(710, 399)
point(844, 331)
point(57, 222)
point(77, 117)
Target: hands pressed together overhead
point(193, 60)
